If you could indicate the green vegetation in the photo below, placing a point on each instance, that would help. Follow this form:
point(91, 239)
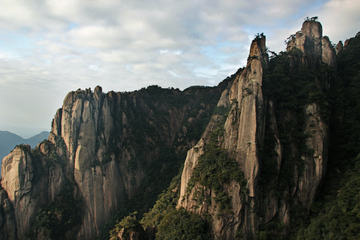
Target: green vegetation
point(152, 185)
point(166, 203)
point(291, 89)
point(128, 224)
point(346, 103)
point(169, 159)
point(39, 170)
point(26, 148)
point(269, 162)
point(168, 222)
point(311, 19)
point(59, 216)
point(335, 214)
point(180, 224)
point(149, 116)
point(215, 168)
point(271, 231)
point(64, 212)
point(38, 158)
point(171, 163)
point(338, 217)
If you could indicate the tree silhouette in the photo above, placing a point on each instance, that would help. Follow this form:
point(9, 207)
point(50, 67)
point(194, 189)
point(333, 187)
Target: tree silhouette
point(259, 35)
point(314, 18)
point(311, 19)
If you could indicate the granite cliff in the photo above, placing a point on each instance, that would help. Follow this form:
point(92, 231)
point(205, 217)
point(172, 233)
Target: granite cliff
point(103, 149)
point(263, 133)
point(256, 149)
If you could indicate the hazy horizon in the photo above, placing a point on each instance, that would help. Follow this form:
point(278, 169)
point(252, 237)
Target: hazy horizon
point(25, 133)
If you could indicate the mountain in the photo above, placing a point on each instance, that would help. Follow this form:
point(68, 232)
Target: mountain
point(276, 131)
point(34, 140)
point(9, 140)
point(105, 149)
point(263, 155)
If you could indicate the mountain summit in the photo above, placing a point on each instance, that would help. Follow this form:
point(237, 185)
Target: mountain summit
point(253, 153)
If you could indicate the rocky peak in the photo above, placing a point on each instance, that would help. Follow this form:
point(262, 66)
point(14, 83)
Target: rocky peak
point(241, 139)
point(17, 173)
point(328, 52)
point(258, 49)
point(348, 41)
point(308, 41)
point(314, 47)
point(252, 118)
point(29, 183)
point(312, 29)
point(339, 47)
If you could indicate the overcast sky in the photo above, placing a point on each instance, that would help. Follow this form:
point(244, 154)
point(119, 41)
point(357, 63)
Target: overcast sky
point(48, 48)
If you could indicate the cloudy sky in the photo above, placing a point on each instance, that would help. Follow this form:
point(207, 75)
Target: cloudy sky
point(51, 47)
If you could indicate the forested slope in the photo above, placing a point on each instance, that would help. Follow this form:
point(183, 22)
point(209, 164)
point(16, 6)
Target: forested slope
point(336, 213)
point(294, 84)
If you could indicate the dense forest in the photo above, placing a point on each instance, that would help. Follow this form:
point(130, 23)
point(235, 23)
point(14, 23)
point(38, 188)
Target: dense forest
point(336, 213)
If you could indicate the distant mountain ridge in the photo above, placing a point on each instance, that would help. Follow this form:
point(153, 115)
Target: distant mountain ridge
point(9, 140)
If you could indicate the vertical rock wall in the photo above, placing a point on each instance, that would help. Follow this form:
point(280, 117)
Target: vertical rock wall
point(243, 129)
point(101, 146)
point(28, 183)
point(244, 136)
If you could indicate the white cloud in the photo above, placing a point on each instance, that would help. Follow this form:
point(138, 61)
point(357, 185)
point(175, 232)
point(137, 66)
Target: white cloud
point(340, 19)
point(54, 46)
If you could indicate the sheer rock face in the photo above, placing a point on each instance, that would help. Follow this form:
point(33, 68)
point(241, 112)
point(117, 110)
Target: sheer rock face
point(315, 48)
point(17, 173)
point(245, 118)
point(13, 182)
point(23, 192)
point(339, 47)
point(243, 128)
point(190, 163)
point(105, 151)
point(315, 165)
point(328, 52)
point(7, 221)
point(244, 138)
point(88, 122)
